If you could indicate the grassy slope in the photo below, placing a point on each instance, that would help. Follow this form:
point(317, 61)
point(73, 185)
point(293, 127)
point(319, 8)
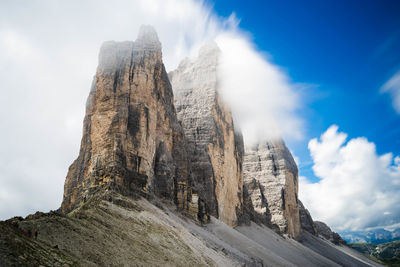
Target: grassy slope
point(16, 249)
point(387, 253)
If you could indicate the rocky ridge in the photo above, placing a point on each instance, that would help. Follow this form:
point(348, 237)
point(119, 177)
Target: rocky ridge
point(326, 232)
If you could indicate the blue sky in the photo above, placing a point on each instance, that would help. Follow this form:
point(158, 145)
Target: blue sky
point(347, 49)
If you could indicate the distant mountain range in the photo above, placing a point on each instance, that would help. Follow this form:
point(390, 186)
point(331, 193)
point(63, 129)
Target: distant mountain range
point(375, 236)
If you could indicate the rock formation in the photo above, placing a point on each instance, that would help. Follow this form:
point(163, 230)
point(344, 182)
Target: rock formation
point(131, 135)
point(271, 180)
point(306, 221)
point(214, 149)
point(135, 141)
point(327, 233)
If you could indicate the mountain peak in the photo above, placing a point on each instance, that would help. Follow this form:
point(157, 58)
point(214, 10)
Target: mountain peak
point(210, 48)
point(148, 37)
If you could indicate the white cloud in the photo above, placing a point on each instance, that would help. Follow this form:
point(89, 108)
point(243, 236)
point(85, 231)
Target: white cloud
point(358, 188)
point(48, 55)
point(262, 98)
point(392, 86)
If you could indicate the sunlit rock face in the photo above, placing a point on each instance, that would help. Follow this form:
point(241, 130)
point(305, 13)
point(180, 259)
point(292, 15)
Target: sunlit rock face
point(131, 135)
point(271, 181)
point(214, 149)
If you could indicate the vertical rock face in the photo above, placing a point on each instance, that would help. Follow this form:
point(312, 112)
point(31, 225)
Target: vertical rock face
point(306, 221)
point(131, 135)
point(271, 181)
point(214, 149)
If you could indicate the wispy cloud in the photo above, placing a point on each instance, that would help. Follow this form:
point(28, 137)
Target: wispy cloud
point(386, 46)
point(358, 188)
point(392, 86)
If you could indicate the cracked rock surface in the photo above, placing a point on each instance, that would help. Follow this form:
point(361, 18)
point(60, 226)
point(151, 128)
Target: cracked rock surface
point(271, 181)
point(215, 150)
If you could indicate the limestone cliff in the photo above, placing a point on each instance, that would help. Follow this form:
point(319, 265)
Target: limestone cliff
point(271, 181)
point(131, 135)
point(214, 149)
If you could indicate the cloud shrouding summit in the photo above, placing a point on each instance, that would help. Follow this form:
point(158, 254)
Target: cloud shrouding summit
point(263, 99)
point(48, 56)
point(358, 188)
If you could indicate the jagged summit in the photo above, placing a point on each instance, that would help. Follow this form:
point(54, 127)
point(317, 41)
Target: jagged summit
point(208, 49)
point(114, 55)
point(208, 54)
point(148, 38)
point(147, 33)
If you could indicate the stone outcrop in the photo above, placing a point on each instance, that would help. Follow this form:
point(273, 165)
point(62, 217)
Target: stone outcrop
point(131, 136)
point(214, 149)
point(326, 232)
point(271, 181)
point(306, 221)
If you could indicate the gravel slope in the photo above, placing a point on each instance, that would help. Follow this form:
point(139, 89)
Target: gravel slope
point(113, 230)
